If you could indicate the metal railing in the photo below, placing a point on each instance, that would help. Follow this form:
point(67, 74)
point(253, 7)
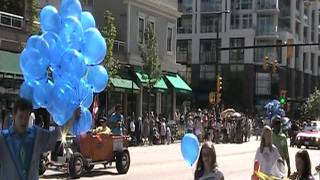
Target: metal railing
point(11, 20)
point(119, 49)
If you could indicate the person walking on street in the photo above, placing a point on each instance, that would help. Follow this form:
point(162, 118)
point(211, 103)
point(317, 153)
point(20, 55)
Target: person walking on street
point(267, 154)
point(168, 135)
point(163, 131)
point(280, 140)
point(303, 166)
point(116, 121)
point(206, 168)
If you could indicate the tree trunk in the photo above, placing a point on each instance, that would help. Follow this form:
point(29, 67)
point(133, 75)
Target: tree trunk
point(149, 100)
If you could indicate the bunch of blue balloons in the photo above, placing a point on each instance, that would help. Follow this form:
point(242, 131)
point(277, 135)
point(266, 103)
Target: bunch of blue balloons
point(273, 108)
point(61, 67)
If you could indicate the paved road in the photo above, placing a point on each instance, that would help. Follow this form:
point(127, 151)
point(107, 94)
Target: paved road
point(165, 163)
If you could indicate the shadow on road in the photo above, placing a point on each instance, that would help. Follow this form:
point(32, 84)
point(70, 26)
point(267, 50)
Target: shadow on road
point(95, 173)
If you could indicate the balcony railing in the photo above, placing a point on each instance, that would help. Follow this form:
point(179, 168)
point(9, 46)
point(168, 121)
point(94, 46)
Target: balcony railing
point(11, 20)
point(119, 50)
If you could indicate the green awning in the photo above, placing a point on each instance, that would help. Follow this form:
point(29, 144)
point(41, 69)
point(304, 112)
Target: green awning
point(123, 84)
point(9, 63)
point(160, 84)
point(178, 83)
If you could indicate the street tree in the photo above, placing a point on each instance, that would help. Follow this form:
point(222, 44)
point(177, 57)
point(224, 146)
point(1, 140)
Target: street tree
point(109, 32)
point(34, 20)
point(150, 58)
point(312, 105)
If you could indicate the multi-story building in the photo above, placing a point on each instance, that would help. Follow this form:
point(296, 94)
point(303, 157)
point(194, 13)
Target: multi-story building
point(247, 85)
point(132, 18)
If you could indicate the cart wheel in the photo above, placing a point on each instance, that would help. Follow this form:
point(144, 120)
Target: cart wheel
point(76, 165)
point(123, 162)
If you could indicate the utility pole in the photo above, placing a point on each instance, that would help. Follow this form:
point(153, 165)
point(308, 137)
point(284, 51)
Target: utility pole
point(217, 50)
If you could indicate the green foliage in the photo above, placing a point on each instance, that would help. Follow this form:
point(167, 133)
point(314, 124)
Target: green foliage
point(34, 21)
point(109, 32)
point(150, 57)
point(311, 108)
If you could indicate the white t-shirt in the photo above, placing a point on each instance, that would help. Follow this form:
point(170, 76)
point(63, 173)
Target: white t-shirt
point(132, 126)
point(269, 161)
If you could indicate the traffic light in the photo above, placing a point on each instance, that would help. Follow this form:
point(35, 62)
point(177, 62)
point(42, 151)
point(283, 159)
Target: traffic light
point(283, 97)
point(212, 97)
point(275, 66)
point(219, 84)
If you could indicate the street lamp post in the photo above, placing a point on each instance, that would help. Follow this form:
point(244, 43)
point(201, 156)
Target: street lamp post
point(217, 14)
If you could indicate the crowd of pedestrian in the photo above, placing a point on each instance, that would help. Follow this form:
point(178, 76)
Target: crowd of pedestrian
point(208, 125)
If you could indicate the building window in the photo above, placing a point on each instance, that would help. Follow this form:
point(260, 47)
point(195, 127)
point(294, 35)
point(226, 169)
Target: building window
point(312, 63)
point(235, 21)
point(241, 4)
point(185, 6)
point(210, 5)
point(265, 25)
point(263, 84)
point(208, 23)
point(207, 72)
point(208, 51)
point(246, 21)
point(236, 55)
point(261, 53)
point(169, 38)
point(246, 4)
point(236, 68)
point(151, 21)
point(141, 30)
point(185, 24)
point(184, 51)
point(267, 4)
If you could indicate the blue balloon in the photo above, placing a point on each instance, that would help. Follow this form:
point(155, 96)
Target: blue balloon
point(85, 94)
point(97, 78)
point(55, 48)
point(50, 19)
point(40, 44)
point(87, 20)
point(63, 96)
point(42, 93)
point(84, 124)
point(71, 33)
point(190, 148)
point(26, 91)
point(72, 64)
point(94, 47)
point(70, 8)
point(61, 118)
point(33, 65)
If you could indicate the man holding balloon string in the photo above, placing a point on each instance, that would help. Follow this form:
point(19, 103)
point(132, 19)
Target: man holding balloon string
point(21, 145)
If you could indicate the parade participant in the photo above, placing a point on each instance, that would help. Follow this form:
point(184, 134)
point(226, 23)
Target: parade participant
point(116, 121)
point(103, 128)
point(267, 154)
point(280, 140)
point(21, 146)
point(206, 168)
point(303, 166)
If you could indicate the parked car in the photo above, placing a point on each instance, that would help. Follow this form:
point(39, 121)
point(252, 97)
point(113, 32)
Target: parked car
point(310, 136)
